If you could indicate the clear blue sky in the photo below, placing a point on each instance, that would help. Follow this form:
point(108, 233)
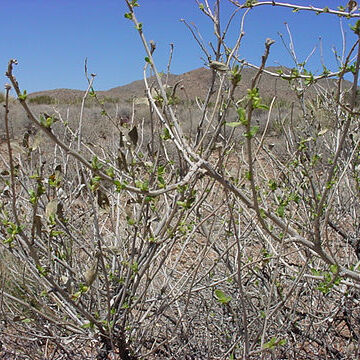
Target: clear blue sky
point(51, 38)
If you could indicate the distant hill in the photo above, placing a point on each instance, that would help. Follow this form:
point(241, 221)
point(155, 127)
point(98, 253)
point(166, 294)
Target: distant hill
point(194, 83)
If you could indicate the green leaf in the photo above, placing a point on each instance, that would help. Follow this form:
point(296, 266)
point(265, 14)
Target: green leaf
point(235, 75)
point(120, 186)
point(23, 96)
point(147, 59)
point(42, 271)
point(46, 121)
point(110, 172)
point(92, 92)
point(33, 197)
point(281, 210)
point(262, 213)
point(334, 269)
point(135, 267)
point(356, 28)
point(166, 134)
point(76, 295)
point(282, 342)
point(250, 3)
point(95, 164)
point(142, 185)
point(134, 3)
point(88, 325)
point(272, 184)
point(161, 182)
point(270, 344)
point(326, 71)
point(324, 288)
point(125, 306)
point(250, 134)
point(274, 342)
point(310, 77)
point(242, 116)
point(95, 183)
point(128, 16)
point(185, 204)
point(233, 124)
point(253, 96)
point(221, 297)
point(262, 106)
point(161, 170)
point(83, 288)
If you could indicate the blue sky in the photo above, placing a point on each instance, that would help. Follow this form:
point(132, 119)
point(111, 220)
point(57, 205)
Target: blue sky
point(52, 38)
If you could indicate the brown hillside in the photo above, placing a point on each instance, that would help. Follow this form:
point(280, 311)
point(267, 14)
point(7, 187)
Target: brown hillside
point(196, 84)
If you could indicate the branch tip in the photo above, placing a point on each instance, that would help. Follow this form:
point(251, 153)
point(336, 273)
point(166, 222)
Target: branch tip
point(269, 42)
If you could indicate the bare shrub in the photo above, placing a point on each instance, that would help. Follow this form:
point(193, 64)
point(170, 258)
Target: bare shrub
point(186, 233)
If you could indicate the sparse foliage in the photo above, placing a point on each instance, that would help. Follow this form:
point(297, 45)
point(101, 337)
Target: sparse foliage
point(222, 242)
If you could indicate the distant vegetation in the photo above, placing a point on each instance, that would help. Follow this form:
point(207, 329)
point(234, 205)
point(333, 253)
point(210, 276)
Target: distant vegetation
point(42, 99)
